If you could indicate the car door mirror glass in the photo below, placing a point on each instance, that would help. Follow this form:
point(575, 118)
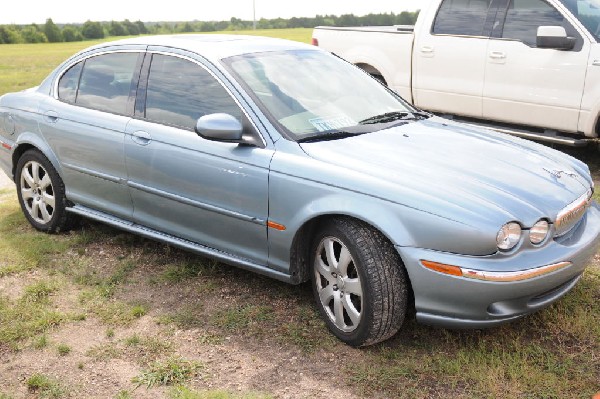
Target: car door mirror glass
point(219, 127)
point(554, 37)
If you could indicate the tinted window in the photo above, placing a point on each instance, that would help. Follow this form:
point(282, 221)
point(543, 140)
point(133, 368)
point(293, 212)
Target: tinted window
point(106, 82)
point(180, 91)
point(67, 86)
point(587, 12)
point(462, 17)
point(523, 18)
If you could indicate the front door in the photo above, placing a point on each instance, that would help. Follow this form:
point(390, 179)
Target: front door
point(449, 58)
point(529, 85)
point(211, 193)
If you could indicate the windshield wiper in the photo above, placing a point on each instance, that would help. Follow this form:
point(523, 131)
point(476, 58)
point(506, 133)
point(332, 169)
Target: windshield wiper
point(395, 116)
point(331, 135)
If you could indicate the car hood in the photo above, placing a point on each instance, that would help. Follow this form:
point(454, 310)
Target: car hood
point(462, 173)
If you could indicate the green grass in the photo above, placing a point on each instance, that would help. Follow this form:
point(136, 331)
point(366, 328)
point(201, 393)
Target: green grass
point(39, 292)
point(22, 247)
point(241, 318)
point(41, 342)
point(141, 348)
point(45, 387)
point(63, 349)
point(186, 317)
point(110, 311)
point(172, 371)
point(123, 395)
point(186, 393)
point(24, 319)
point(25, 65)
point(181, 271)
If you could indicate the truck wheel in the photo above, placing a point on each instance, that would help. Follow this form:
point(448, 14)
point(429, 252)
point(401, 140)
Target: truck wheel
point(359, 282)
point(41, 193)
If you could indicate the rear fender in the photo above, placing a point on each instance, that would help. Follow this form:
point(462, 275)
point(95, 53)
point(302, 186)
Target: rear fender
point(29, 140)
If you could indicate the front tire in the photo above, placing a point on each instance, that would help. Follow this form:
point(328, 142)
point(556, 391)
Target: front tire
point(359, 282)
point(41, 193)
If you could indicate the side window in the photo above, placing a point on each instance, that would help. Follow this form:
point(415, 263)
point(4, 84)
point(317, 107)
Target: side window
point(523, 18)
point(461, 17)
point(67, 85)
point(180, 91)
point(106, 82)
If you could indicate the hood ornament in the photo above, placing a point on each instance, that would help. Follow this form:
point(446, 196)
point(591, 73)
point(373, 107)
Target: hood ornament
point(558, 173)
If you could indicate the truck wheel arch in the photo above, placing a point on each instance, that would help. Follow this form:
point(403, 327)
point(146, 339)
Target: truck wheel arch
point(371, 70)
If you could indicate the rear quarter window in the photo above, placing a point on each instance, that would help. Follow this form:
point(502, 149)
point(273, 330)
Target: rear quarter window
point(67, 85)
point(106, 82)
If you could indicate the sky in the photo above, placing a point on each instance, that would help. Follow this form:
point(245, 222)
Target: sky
point(77, 11)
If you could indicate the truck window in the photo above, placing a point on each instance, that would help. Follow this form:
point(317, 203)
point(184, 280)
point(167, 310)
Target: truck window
point(523, 18)
point(461, 17)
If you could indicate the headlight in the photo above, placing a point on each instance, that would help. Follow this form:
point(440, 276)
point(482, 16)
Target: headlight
point(508, 236)
point(539, 231)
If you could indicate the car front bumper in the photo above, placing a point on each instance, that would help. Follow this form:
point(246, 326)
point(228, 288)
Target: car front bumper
point(463, 302)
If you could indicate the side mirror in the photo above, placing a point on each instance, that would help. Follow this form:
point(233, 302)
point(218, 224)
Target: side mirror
point(220, 127)
point(554, 37)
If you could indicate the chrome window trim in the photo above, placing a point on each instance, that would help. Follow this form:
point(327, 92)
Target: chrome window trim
point(151, 52)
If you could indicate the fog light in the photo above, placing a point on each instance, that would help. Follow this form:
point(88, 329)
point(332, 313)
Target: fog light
point(539, 232)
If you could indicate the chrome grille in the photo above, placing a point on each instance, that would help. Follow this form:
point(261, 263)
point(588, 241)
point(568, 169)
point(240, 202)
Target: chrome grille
point(568, 217)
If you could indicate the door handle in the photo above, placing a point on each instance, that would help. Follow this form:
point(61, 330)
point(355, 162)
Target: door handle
point(497, 55)
point(596, 63)
point(427, 49)
point(141, 137)
point(51, 116)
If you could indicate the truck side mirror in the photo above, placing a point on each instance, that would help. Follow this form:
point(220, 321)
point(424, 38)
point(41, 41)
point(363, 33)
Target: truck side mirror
point(554, 37)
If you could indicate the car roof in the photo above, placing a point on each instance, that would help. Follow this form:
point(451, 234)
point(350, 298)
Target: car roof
point(212, 46)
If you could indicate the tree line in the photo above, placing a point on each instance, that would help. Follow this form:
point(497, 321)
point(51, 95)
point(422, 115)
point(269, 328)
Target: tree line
point(53, 33)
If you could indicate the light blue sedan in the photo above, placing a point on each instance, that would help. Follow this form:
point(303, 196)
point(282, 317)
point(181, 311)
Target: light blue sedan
point(280, 158)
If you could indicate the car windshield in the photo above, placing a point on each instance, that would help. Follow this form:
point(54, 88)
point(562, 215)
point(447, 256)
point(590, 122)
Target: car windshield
point(588, 13)
point(314, 94)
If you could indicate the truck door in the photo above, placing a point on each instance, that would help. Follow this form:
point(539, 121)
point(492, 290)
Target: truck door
point(528, 85)
point(449, 56)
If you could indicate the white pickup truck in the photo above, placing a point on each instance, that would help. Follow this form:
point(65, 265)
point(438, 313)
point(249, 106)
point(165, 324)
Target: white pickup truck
point(526, 67)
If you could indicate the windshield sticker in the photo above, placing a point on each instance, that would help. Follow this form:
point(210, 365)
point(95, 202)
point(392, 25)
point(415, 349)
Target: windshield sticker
point(332, 123)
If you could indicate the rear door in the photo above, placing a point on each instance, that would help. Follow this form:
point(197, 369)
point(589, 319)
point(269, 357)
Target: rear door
point(449, 57)
point(529, 85)
point(211, 193)
point(85, 127)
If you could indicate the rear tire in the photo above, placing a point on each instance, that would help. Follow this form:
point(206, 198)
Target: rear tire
point(41, 193)
point(359, 282)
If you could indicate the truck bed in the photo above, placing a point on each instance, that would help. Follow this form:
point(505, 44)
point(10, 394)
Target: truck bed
point(392, 55)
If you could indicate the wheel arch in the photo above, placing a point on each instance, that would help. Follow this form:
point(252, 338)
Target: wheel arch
point(300, 267)
point(29, 141)
point(371, 70)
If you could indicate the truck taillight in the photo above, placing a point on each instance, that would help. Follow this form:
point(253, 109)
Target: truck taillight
point(315, 41)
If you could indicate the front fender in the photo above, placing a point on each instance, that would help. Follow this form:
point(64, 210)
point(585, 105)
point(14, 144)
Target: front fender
point(310, 201)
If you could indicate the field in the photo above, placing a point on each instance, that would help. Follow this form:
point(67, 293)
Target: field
point(101, 313)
